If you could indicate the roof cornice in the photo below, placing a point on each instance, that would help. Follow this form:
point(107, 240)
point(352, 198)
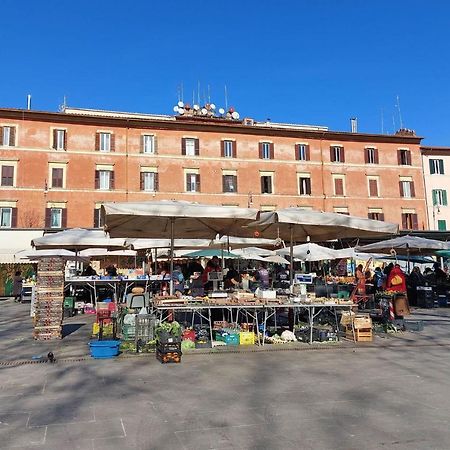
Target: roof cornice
point(213, 125)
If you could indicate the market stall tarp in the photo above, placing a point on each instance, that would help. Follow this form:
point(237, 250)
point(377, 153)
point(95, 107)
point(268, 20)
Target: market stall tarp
point(303, 225)
point(13, 241)
point(99, 252)
point(310, 252)
point(209, 253)
point(77, 239)
point(34, 255)
point(175, 219)
point(277, 259)
point(406, 245)
point(138, 244)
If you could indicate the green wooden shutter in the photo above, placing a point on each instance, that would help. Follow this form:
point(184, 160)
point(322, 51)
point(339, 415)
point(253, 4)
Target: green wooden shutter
point(441, 166)
point(444, 198)
point(434, 195)
point(431, 161)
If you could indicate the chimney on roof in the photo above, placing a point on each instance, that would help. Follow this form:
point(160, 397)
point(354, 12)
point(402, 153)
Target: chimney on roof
point(354, 125)
point(29, 102)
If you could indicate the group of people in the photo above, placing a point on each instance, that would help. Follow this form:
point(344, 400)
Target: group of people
point(196, 280)
point(392, 278)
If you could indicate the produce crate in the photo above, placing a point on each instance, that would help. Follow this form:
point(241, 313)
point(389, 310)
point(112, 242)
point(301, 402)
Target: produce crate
point(231, 339)
point(169, 348)
point(145, 326)
point(362, 321)
point(361, 334)
point(413, 325)
point(128, 332)
point(218, 324)
point(169, 357)
point(166, 338)
point(246, 338)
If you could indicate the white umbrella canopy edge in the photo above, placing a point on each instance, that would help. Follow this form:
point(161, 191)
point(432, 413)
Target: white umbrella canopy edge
point(157, 219)
point(406, 245)
point(154, 219)
point(77, 239)
point(310, 252)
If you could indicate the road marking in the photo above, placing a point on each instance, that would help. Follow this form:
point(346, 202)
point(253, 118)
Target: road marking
point(123, 427)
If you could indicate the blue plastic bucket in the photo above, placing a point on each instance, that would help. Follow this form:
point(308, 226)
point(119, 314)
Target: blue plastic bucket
point(104, 349)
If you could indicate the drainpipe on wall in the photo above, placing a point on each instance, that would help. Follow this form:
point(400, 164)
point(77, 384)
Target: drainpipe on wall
point(126, 162)
point(427, 214)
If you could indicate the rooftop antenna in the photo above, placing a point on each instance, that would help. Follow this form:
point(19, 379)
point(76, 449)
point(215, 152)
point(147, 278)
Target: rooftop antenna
point(193, 97)
point(393, 121)
point(63, 106)
point(178, 93)
point(382, 121)
point(209, 95)
point(226, 98)
point(399, 112)
point(182, 96)
point(198, 92)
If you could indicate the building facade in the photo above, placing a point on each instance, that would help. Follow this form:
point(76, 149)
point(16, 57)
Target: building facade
point(58, 168)
point(436, 167)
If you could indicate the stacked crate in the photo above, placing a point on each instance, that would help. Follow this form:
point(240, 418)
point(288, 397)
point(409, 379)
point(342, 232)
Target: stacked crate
point(361, 329)
point(49, 299)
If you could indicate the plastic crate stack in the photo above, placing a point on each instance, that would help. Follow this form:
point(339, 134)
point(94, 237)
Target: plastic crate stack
point(168, 349)
point(49, 299)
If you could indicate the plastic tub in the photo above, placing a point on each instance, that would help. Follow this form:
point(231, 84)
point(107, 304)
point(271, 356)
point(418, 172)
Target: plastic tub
point(104, 349)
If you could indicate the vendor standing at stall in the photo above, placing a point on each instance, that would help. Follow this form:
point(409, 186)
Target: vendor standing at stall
point(396, 280)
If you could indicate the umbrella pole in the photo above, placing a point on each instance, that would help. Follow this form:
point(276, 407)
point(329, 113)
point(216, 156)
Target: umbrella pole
point(172, 233)
point(156, 261)
point(291, 255)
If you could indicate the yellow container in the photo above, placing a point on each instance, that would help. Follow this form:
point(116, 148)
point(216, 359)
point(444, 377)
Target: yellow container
point(95, 328)
point(246, 338)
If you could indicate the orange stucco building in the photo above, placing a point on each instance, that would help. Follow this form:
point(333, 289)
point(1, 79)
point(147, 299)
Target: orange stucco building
point(57, 168)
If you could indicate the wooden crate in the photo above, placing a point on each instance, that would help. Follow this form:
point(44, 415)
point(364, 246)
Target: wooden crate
point(361, 334)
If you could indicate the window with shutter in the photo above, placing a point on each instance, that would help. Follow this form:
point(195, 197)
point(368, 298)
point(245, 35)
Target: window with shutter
point(191, 182)
point(8, 137)
point(5, 217)
point(302, 152)
point(148, 144)
point(373, 188)
point(7, 176)
point(59, 139)
point(229, 183)
point(57, 177)
point(442, 225)
point(439, 197)
point(104, 142)
point(305, 185)
point(404, 157)
point(190, 146)
point(371, 156)
point(64, 218)
point(228, 149)
point(266, 150)
point(96, 217)
point(337, 154)
point(56, 218)
point(104, 179)
point(339, 186)
point(410, 221)
point(436, 166)
point(376, 216)
point(266, 184)
point(148, 181)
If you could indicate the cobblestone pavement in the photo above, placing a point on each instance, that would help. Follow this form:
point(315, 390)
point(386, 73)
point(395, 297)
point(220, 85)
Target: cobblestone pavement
point(391, 394)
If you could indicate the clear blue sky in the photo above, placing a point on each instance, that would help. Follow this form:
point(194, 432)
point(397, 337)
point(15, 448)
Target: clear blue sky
point(315, 62)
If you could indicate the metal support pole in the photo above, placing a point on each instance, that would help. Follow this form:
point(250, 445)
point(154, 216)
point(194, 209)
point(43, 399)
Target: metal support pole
point(172, 239)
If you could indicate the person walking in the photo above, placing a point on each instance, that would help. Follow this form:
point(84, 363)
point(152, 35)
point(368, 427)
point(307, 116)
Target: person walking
point(17, 286)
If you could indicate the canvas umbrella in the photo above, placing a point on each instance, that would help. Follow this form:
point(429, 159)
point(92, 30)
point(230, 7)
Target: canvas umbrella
point(277, 259)
point(175, 219)
point(308, 225)
point(406, 245)
point(77, 239)
point(209, 253)
point(309, 252)
point(34, 255)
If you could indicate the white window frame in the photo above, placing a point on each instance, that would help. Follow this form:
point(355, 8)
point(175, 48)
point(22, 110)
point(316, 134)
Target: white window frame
point(6, 135)
point(60, 139)
point(371, 153)
point(437, 168)
point(228, 148)
point(406, 186)
point(148, 144)
point(104, 141)
point(270, 175)
point(337, 153)
point(265, 150)
point(56, 213)
point(149, 181)
point(2, 210)
point(190, 146)
point(373, 178)
point(192, 176)
point(344, 189)
point(104, 177)
point(440, 196)
point(302, 152)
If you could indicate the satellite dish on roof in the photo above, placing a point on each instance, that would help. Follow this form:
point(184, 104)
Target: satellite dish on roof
point(221, 111)
point(196, 107)
point(180, 104)
point(175, 108)
point(231, 109)
point(213, 106)
point(204, 111)
point(181, 110)
point(235, 115)
point(187, 106)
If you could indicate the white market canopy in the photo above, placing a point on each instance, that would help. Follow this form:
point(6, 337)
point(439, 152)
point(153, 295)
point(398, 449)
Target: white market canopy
point(138, 244)
point(34, 255)
point(299, 224)
point(100, 252)
point(309, 252)
point(175, 219)
point(77, 239)
point(406, 245)
point(277, 259)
